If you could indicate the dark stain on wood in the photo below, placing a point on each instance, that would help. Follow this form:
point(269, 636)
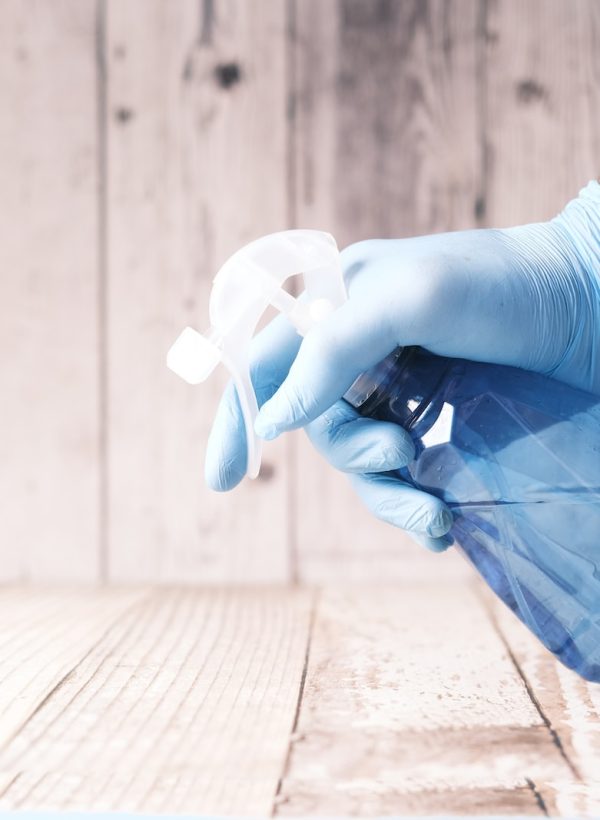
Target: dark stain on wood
point(267, 471)
point(483, 41)
point(380, 102)
point(207, 21)
point(357, 13)
point(123, 115)
point(530, 91)
point(228, 74)
point(479, 207)
point(203, 38)
point(187, 72)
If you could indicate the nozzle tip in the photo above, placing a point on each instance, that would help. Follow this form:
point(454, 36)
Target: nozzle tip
point(193, 357)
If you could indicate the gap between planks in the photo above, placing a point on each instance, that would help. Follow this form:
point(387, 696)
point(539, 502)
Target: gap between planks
point(293, 735)
point(412, 705)
point(569, 705)
point(492, 609)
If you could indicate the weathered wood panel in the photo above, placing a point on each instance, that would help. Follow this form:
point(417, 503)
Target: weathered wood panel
point(406, 117)
point(197, 166)
point(391, 700)
point(49, 328)
point(44, 635)
point(541, 121)
point(412, 705)
point(570, 707)
point(387, 144)
point(183, 706)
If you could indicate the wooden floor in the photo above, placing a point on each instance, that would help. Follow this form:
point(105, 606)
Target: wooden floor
point(414, 699)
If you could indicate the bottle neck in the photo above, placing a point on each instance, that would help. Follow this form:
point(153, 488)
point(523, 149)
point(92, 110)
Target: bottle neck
point(402, 388)
point(369, 382)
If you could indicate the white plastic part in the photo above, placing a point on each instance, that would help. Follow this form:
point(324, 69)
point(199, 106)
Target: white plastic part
point(250, 281)
point(194, 357)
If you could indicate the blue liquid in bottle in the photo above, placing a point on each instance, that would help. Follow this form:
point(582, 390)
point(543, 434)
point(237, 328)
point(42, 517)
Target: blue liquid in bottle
point(516, 457)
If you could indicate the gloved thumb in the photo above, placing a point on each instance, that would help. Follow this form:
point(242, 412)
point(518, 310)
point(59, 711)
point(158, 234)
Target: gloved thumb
point(330, 358)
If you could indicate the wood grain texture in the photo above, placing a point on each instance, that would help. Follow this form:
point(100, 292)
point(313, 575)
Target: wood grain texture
point(49, 333)
point(412, 705)
point(44, 635)
point(196, 167)
point(185, 705)
point(143, 141)
point(571, 708)
point(387, 144)
point(390, 700)
point(540, 111)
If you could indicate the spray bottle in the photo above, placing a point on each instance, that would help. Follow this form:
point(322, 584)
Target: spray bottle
point(507, 450)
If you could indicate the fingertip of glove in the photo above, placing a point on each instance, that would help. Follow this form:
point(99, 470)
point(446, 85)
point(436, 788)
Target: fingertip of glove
point(213, 482)
point(222, 479)
point(399, 455)
point(441, 544)
point(265, 429)
point(440, 524)
point(381, 449)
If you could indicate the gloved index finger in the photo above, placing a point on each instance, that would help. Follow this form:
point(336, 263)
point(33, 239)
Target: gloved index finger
point(330, 358)
point(355, 444)
point(271, 354)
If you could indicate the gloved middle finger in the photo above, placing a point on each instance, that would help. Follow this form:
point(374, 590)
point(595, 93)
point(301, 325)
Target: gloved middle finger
point(355, 444)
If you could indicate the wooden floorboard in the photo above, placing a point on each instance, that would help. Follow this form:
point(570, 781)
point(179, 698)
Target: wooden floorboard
point(184, 705)
point(43, 636)
point(412, 699)
point(412, 705)
point(569, 705)
point(194, 170)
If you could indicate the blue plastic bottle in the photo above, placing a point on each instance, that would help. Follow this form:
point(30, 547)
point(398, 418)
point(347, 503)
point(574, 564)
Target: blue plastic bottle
point(516, 457)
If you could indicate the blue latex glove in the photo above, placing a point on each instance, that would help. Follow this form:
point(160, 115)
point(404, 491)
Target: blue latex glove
point(526, 296)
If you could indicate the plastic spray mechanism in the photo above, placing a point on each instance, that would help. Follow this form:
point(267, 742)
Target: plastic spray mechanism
point(515, 455)
point(250, 281)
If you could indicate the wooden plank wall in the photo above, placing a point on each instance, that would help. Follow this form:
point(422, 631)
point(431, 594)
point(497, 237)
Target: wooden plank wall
point(399, 157)
point(196, 166)
point(50, 345)
point(142, 142)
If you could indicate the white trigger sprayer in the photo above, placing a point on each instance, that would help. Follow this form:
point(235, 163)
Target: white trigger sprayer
point(246, 285)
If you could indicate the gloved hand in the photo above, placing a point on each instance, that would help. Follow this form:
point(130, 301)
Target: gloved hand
point(526, 296)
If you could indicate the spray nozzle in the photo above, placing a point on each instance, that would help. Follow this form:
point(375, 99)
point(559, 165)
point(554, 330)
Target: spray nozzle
point(250, 281)
point(194, 356)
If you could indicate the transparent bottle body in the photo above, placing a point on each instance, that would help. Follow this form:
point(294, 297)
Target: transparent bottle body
point(516, 456)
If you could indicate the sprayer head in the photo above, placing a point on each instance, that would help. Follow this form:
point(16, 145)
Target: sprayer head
point(250, 281)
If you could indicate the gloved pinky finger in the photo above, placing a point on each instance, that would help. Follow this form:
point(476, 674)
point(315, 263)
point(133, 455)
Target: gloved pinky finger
point(392, 500)
point(433, 544)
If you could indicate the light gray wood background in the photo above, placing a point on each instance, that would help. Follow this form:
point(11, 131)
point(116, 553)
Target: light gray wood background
point(142, 141)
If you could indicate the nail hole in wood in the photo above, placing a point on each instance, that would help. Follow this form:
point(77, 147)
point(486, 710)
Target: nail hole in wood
point(529, 91)
point(479, 207)
point(267, 471)
point(228, 74)
point(123, 115)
